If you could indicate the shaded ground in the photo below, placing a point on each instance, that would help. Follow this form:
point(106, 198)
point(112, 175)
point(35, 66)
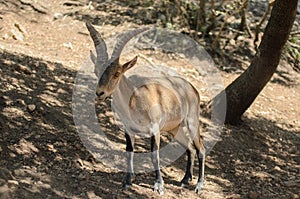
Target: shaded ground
point(42, 46)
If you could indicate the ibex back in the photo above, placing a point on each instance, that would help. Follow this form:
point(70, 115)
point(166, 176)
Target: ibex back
point(168, 104)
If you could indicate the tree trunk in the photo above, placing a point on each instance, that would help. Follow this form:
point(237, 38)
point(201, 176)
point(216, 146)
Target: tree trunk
point(242, 92)
point(201, 15)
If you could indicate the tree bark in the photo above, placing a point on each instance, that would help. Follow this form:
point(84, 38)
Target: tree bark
point(201, 15)
point(241, 93)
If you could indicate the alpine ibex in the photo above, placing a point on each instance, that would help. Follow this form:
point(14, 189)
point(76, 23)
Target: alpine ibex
point(174, 108)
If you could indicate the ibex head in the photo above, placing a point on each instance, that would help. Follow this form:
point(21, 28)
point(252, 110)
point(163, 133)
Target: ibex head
point(114, 71)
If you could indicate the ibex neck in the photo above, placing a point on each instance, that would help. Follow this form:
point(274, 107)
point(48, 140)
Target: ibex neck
point(124, 90)
point(121, 99)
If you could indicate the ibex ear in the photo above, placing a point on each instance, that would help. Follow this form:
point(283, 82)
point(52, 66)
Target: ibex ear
point(129, 64)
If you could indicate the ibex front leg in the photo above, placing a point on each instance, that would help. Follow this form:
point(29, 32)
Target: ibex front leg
point(129, 155)
point(155, 141)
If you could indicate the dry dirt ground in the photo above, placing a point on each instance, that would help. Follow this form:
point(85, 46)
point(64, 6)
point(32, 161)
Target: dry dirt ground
point(43, 44)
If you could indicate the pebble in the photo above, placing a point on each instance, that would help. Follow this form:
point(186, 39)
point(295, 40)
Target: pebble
point(20, 101)
point(68, 45)
point(254, 195)
point(24, 69)
point(240, 38)
point(232, 42)
point(81, 176)
point(17, 35)
point(58, 15)
point(13, 182)
point(31, 107)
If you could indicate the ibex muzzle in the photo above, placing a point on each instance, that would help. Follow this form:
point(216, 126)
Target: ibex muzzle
point(168, 104)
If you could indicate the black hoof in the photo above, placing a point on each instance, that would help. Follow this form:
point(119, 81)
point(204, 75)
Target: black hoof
point(185, 182)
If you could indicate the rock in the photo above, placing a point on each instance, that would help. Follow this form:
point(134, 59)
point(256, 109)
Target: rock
point(163, 17)
point(24, 69)
point(5, 36)
point(57, 16)
point(31, 107)
point(277, 168)
point(6, 100)
point(254, 195)
point(232, 42)
point(81, 176)
point(20, 101)
point(68, 45)
point(13, 182)
point(80, 162)
point(17, 35)
point(69, 80)
point(37, 136)
point(240, 38)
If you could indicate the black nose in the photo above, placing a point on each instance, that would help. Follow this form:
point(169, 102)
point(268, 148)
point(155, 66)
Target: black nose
point(100, 94)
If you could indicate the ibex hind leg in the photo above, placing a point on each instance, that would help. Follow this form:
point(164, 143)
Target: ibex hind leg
point(182, 137)
point(201, 158)
point(194, 129)
point(129, 155)
point(188, 177)
point(155, 142)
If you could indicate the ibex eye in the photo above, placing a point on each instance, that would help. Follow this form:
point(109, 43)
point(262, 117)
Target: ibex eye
point(117, 74)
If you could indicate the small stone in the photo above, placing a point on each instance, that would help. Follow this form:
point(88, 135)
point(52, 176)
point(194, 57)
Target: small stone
point(232, 42)
point(7, 101)
point(81, 176)
point(5, 97)
point(58, 15)
point(24, 69)
point(163, 17)
point(17, 35)
point(68, 45)
point(69, 80)
point(277, 168)
point(20, 101)
point(240, 38)
point(31, 107)
point(13, 182)
point(5, 36)
point(253, 195)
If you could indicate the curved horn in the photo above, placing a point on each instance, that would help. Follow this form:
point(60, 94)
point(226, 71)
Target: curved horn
point(99, 43)
point(123, 40)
